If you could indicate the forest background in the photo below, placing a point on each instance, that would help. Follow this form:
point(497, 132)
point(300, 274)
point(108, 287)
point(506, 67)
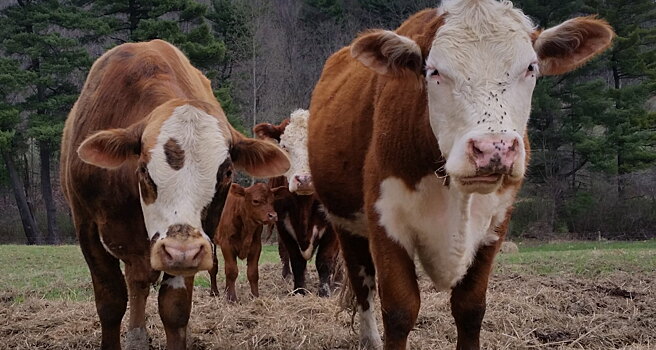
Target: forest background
point(593, 132)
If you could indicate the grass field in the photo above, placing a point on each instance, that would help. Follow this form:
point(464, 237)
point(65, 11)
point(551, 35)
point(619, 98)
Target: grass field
point(570, 295)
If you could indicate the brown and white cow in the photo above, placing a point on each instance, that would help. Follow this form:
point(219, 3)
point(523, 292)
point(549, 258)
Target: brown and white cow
point(239, 234)
point(302, 226)
point(146, 162)
point(417, 146)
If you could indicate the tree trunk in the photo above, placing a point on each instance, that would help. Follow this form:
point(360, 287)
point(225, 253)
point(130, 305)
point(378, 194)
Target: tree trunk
point(46, 192)
point(29, 224)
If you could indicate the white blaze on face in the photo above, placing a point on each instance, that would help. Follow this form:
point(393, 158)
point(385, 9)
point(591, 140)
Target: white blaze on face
point(182, 194)
point(481, 73)
point(294, 142)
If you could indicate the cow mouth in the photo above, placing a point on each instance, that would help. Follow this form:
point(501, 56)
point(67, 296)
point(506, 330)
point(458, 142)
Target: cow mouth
point(480, 179)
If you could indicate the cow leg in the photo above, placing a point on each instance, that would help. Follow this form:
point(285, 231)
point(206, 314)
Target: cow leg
point(468, 298)
point(174, 309)
point(398, 289)
point(109, 287)
point(231, 273)
point(284, 258)
point(362, 278)
point(325, 261)
point(139, 277)
point(214, 289)
point(298, 262)
point(252, 265)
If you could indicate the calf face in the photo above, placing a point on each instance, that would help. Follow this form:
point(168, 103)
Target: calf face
point(258, 202)
point(480, 70)
point(179, 151)
point(292, 135)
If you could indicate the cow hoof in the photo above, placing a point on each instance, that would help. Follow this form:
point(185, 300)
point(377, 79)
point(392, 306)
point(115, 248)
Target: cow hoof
point(136, 339)
point(371, 344)
point(214, 293)
point(300, 291)
point(324, 291)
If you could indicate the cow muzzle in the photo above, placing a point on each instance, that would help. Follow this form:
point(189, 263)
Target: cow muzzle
point(183, 252)
point(302, 184)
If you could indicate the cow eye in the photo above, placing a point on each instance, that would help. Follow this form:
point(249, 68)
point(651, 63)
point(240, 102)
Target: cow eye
point(435, 73)
point(256, 202)
point(531, 67)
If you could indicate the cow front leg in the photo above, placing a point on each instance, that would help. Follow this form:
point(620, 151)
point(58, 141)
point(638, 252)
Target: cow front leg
point(139, 277)
point(298, 262)
point(398, 289)
point(284, 258)
point(214, 288)
point(362, 281)
point(109, 287)
point(468, 298)
point(325, 261)
point(231, 273)
point(252, 265)
point(174, 309)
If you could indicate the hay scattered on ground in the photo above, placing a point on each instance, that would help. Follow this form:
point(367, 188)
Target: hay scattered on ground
point(524, 312)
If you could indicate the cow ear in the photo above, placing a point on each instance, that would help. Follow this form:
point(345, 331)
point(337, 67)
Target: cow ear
point(280, 192)
point(237, 190)
point(111, 148)
point(388, 53)
point(572, 43)
point(259, 158)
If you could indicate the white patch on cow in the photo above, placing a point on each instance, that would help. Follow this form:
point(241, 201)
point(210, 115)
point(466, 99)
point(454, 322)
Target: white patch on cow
point(294, 142)
point(316, 236)
point(177, 282)
point(102, 241)
point(478, 81)
point(356, 226)
point(443, 226)
point(182, 194)
point(288, 226)
point(136, 339)
point(369, 335)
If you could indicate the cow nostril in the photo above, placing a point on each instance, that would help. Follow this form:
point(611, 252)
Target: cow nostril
point(476, 151)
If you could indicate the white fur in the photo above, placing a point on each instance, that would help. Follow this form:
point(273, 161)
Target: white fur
point(177, 282)
point(443, 226)
point(482, 53)
point(182, 194)
point(369, 335)
point(288, 225)
point(294, 141)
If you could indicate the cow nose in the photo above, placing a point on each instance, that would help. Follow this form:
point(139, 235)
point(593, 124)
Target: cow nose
point(303, 180)
point(182, 254)
point(494, 154)
point(273, 216)
point(183, 251)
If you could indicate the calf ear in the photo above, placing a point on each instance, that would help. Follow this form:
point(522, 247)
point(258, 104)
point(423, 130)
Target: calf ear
point(388, 53)
point(259, 158)
point(280, 192)
point(572, 43)
point(237, 190)
point(265, 131)
point(111, 148)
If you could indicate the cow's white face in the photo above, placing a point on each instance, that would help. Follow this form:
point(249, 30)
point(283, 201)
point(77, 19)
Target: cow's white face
point(480, 73)
point(294, 141)
point(188, 149)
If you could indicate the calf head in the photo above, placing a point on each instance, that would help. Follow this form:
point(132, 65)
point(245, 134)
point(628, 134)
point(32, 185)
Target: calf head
point(182, 153)
point(257, 202)
point(292, 134)
point(480, 60)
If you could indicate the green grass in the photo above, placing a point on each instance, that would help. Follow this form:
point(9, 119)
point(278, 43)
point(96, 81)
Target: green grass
point(60, 273)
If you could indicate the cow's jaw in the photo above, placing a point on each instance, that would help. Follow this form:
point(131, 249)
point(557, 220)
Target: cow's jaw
point(479, 88)
point(185, 156)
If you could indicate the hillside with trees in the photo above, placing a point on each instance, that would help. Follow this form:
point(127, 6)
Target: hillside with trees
point(592, 132)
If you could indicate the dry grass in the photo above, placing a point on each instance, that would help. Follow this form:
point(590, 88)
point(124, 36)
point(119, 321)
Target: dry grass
point(615, 311)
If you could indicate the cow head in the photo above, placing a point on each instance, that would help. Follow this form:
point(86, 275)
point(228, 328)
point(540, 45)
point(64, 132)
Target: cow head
point(292, 134)
point(480, 60)
point(182, 153)
point(258, 202)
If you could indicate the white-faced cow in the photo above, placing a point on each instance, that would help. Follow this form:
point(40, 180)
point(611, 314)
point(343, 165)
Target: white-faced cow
point(417, 146)
point(146, 162)
point(302, 226)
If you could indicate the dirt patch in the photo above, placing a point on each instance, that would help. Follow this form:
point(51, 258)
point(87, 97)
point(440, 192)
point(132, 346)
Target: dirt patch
point(524, 312)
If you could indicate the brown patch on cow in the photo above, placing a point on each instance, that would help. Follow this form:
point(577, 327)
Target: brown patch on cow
point(147, 186)
point(175, 155)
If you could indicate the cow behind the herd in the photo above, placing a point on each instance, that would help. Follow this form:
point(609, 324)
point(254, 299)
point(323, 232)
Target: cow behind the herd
point(146, 161)
point(418, 146)
point(239, 234)
point(416, 143)
point(302, 226)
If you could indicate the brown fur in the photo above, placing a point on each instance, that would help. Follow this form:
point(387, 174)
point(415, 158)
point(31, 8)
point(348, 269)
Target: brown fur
point(239, 234)
point(128, 93)
point(174, 154)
